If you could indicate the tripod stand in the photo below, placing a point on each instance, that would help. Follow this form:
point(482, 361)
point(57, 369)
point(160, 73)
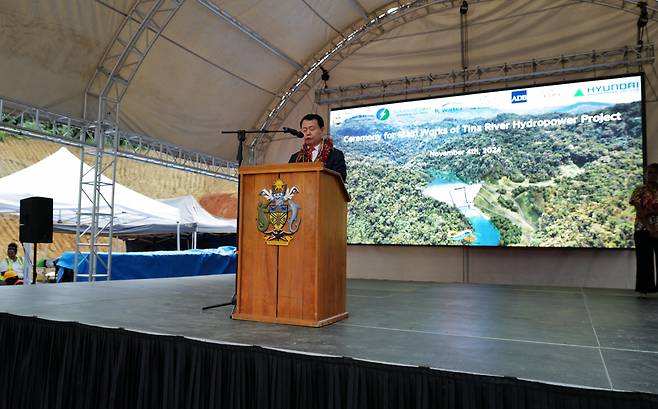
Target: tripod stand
point(242, 136)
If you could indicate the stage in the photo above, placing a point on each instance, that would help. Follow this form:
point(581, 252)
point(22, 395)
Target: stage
point(593, 340)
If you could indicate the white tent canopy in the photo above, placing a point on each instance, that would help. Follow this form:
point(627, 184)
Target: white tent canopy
point(192, 213)
point(57, 177)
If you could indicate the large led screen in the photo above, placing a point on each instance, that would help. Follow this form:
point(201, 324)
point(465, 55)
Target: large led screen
point(543, 166)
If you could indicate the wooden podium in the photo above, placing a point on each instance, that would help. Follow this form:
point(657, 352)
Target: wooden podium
point(302, 282)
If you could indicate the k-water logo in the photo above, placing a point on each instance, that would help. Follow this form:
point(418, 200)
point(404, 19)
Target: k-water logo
point(519, 96)
point(452, 107)
point(383, 114)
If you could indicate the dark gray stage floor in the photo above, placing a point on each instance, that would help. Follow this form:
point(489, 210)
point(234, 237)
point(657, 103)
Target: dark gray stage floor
point(593, 338)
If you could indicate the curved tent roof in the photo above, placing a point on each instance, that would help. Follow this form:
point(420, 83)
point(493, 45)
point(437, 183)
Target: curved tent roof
point(205, 74)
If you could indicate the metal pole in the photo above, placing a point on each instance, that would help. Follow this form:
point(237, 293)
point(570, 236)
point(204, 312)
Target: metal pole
point(178, 236)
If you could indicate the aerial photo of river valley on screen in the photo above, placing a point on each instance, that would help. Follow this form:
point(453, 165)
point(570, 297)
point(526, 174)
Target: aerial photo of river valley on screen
point(549, 166)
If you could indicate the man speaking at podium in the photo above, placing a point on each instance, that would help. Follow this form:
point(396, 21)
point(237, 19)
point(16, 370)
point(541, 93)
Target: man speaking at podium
point(317, 149)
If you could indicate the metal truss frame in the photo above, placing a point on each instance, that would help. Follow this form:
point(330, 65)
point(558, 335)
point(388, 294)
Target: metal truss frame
point(93, 190)
point(628, 57)
point(125, 53)
point(122, 58)
point(353, 38)
point(22, 119)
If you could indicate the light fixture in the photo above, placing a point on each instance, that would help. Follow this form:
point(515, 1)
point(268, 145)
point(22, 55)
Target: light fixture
point(325, 76)
point(644, 14)
point(463, 9)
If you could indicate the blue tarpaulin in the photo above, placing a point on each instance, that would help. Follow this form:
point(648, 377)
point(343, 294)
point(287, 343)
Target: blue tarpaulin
point(159, 264)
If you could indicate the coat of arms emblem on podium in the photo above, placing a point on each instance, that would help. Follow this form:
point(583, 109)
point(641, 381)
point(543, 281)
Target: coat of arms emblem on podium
point(278, 217)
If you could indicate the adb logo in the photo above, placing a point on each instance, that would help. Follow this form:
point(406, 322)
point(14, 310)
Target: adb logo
point(519, 96)
point(383, 114)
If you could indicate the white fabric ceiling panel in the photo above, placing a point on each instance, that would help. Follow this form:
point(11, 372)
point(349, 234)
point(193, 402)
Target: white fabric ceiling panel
point(498, 32)
point(50, 50)
point(339, 14)
point(371, 5)
point(122, 6)
point(214, 39)
point(378, 61)
point(549, 33)
point(406, 51)
point(289, 25)
point(181, 101)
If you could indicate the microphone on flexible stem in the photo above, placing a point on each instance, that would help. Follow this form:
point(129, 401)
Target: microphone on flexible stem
point(293, 132)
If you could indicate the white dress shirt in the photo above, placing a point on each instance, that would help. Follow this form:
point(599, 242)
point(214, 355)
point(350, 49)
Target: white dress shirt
point(316, 152)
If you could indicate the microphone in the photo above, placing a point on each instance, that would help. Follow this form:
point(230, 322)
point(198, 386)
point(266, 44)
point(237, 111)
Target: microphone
point(293, 132)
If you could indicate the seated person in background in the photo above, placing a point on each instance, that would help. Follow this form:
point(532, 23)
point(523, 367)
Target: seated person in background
point(11, 278)
point(12, 263)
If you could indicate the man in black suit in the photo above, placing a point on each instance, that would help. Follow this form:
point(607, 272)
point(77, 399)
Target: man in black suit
point(317, 149)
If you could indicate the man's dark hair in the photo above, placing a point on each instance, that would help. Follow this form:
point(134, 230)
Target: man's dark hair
point(12, 246)
point(312, 117)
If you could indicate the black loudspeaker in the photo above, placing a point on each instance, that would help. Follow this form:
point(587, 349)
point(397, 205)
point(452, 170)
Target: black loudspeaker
point(36, 221)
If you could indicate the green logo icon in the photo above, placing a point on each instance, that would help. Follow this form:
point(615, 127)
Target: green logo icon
point(383, 114)
point(579, 93)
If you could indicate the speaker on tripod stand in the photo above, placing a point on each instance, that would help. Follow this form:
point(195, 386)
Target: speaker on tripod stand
point(36, 224)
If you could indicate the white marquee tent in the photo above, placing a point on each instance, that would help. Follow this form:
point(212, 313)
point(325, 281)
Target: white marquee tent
point(57, 177)
point(193, 214)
